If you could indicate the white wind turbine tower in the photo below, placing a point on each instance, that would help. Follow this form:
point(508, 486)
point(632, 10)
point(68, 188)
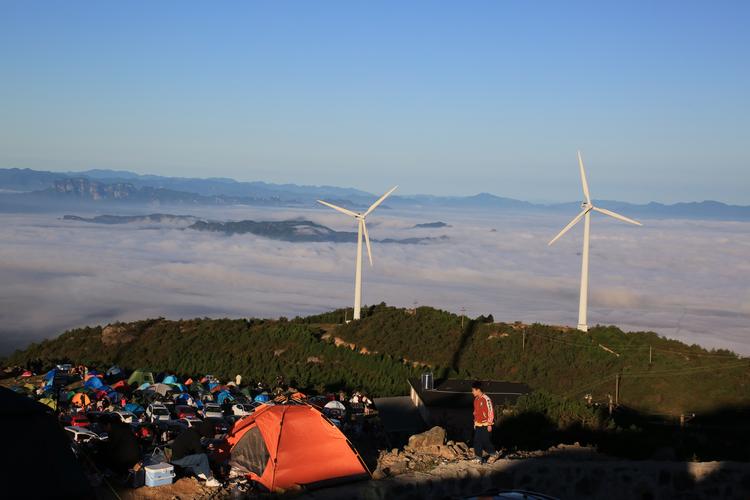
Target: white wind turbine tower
point(585, 214)
point(362, 228)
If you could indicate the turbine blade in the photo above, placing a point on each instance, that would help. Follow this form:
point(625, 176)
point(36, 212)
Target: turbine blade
point(570, 224)
point(617, 216)
point(339, 209)
point(367, 240)
point(380, 200)
point(584, 182)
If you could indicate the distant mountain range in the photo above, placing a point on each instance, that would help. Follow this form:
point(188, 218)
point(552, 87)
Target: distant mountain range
point(147, 220)
point(299, 230)
point(33, 190)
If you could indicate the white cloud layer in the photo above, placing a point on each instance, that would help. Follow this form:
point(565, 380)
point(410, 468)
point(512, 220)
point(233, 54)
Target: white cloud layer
point(684, 279)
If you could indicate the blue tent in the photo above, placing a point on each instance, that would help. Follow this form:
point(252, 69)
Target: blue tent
point(211, 385)
point(169, 379)
point(134, 408)
point(94, 383)
point(223, 396)
point(50, 375)
point(143, 386)
point(182, 398)
point(261, 398)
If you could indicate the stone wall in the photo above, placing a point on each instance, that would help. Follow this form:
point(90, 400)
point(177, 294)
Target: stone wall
point(563, 478)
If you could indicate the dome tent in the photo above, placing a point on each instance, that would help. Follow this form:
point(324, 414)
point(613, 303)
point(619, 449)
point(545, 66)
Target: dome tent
point(138, 377)
point(288, 446)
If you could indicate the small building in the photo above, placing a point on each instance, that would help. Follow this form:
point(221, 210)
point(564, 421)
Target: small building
point(449, 403)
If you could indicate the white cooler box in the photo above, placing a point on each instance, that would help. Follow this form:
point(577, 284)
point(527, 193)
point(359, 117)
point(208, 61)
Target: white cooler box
point(159, 474)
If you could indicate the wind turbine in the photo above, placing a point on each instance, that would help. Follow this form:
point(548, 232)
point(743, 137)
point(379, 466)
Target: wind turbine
point(362, 229)
point(585, 214)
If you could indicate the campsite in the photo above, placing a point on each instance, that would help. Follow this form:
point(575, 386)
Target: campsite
point(112, 432)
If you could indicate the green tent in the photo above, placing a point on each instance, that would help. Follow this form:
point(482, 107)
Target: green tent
point(140, 376)
point(49, 402)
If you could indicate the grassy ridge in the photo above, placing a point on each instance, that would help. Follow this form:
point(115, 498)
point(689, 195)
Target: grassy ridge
point(563, 362)
point(257, 349)
point(681, 378)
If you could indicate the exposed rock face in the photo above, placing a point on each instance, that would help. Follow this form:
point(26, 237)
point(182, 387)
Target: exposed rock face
point(424, 452)
point(117, 334)
point(433, 437)
point(85, 188)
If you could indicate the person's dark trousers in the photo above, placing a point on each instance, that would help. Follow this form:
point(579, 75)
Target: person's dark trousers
point(482, 441)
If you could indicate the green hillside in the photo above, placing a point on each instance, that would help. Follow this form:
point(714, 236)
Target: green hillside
point(399, 343)
point(566, 362)
point(260, 350)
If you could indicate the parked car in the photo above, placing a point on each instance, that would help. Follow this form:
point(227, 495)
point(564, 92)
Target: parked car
point(182, 411)
point(157, 411)
point(126, 417)
point(212, 410)
point(81, 434)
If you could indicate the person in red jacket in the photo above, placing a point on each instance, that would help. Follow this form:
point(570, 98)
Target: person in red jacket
point(484, 417)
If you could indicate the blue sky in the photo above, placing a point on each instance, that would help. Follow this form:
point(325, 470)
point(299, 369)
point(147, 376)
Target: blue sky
point(439, 97)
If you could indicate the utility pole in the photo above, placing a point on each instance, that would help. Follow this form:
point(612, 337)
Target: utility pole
point(523, 341)
point(649, 355)
point(463, 313)
point(617, 389)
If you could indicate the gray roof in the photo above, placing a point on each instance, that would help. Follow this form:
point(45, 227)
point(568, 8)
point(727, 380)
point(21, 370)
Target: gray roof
point(456, 393)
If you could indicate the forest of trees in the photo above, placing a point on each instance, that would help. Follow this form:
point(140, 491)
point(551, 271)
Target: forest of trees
point(654, 374)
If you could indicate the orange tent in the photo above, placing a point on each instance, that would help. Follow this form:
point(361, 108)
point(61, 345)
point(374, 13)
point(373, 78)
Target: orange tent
point(81, 399)
point(283, 447)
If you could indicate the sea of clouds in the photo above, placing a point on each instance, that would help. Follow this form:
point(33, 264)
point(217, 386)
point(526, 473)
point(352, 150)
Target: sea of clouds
point(684, 279)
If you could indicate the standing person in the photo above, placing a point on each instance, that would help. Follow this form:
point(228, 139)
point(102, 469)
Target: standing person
point(484, 417)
